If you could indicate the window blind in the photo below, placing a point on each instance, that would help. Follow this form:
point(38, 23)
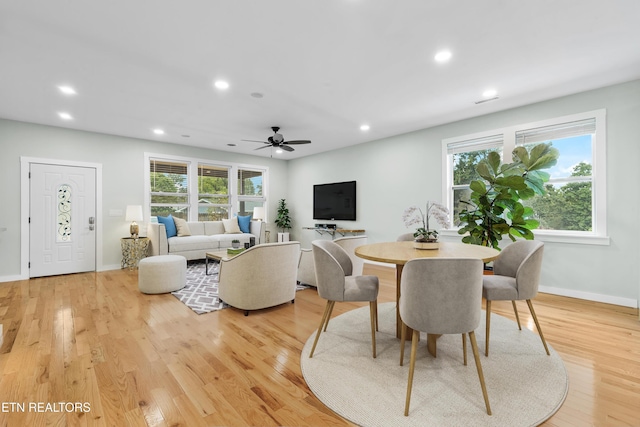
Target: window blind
point(476, 144)
point(559, 131)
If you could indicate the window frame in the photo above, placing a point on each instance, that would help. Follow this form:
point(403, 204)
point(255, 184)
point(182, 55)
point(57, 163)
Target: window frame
point(598, 235)
point(192, 182)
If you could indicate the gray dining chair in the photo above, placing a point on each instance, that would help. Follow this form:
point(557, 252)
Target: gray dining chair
point(516, 275)
point(407, 237)
point(336, 284)
point(349, 244)
point(441, 296)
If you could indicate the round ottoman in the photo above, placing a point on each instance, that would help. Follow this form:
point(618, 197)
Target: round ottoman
point(162, 273)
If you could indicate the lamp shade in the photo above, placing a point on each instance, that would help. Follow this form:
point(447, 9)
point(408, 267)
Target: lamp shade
point(258, 213)
point(134, 213)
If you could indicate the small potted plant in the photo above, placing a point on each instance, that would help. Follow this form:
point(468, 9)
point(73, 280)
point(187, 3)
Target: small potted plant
point(235, 243)
point(425, 237)
point(283, 221)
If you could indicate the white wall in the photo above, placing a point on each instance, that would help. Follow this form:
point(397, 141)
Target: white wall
point(122, 161)
point(405, 170)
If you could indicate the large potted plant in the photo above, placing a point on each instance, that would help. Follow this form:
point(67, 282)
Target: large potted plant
point(283, 221)
point(494, 208)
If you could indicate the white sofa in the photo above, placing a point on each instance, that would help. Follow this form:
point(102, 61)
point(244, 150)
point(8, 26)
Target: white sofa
point(206, 236)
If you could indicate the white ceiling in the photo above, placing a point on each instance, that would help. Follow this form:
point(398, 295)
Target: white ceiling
point(324, 67)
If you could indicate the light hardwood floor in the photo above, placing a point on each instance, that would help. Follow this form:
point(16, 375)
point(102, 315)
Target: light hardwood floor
point(149, 360)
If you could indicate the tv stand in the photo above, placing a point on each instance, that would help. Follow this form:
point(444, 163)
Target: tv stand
point(332, 231)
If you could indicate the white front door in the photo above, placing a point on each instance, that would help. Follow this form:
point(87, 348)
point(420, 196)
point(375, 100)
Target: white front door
point(62, 216)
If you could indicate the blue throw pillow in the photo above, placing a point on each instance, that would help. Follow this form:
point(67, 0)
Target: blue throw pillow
point(169, 225)
point(244, 222)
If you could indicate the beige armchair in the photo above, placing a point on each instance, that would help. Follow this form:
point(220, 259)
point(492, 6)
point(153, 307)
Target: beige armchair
point(260, 277)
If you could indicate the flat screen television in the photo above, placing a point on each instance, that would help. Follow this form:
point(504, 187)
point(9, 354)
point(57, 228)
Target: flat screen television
point(335, 201)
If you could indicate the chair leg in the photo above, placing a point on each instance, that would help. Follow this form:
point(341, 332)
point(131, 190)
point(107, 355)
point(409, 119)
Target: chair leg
point(486, 338)
point(333, 303)
point(403, 339)
point(464, 348)
point(476, 356)
point(535, 319)
point(412, 365)
point(515, 310)
point(372, 309)
point(322, 322)
point(377, 316)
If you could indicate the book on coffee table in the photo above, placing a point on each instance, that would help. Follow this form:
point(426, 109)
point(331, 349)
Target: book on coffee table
point(232, 251)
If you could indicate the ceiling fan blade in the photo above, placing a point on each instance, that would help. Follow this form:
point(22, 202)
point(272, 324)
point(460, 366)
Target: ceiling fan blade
point(253, 140)
point(286, 148)
point(260, 148)
point(300, 141)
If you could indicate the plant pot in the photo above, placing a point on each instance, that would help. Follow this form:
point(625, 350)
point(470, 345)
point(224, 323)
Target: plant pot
point(426, 244)
point(283, 237)
point(235, 245)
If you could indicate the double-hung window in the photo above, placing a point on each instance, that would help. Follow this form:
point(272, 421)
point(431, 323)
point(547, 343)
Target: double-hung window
point(574, 206)
point(169, 188)
point(214, 201)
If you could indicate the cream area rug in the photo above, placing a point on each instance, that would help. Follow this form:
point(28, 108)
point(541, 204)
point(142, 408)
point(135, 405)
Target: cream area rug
point(525, 386)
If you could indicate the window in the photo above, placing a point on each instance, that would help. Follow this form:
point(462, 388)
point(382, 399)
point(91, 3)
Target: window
point(213, 193)
point(249, 191)
point(169, 188)
point(197, 190)
point(574, 207)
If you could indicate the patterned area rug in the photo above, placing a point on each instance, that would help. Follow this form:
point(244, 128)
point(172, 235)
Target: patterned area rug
point(200, 293)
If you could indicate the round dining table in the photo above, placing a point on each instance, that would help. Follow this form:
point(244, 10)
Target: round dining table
point(399, 253)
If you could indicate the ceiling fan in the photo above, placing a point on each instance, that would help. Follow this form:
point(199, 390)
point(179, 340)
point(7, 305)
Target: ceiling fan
point(277, 141)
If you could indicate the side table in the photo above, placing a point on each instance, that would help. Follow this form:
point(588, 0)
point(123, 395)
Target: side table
point(133, 250)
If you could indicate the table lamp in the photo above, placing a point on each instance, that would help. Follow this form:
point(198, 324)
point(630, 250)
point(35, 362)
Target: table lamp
point(134, 213)
point(258, 213)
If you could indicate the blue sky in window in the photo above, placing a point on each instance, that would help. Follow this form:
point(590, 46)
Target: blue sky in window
point(572, 151)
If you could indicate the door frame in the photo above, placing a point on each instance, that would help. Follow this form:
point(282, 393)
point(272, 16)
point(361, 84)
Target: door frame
point(25, 193)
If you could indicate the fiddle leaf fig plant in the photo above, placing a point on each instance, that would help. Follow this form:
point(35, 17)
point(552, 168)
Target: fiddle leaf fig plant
point(494, 208)
point(283, 220)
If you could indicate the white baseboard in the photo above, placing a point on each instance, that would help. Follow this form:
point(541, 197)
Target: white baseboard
point(13, 278)
point(110, 267)
point(589, 296)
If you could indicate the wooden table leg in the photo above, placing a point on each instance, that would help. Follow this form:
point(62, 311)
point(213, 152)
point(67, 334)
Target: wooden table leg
point(432, 343)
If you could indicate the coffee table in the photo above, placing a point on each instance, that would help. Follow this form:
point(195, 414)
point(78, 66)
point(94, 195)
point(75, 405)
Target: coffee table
point(214, 256)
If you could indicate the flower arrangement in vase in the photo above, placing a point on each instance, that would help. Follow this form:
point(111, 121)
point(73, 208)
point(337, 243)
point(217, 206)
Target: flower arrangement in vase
point(425, 237)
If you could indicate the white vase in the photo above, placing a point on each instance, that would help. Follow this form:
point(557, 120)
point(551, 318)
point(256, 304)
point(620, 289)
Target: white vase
point(283, 237)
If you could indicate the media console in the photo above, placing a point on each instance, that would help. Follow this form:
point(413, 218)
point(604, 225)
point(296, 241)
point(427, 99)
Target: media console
point(334, 230)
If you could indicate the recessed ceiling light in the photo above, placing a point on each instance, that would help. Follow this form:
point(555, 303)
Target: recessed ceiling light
point(65, 116)
point(489, 93)
point(365, 128)
point(221, 84)
point(67, 90)
point(278, 151)
point(158, 131)
point(443, 56)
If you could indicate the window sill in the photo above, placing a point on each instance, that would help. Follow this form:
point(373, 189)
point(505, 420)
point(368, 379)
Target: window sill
point(577, 239)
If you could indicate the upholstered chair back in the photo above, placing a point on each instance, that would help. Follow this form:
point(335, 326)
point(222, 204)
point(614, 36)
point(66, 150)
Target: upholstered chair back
point(407, 237)
point(349, 244)
point(441, 295)
point(332, 264)
point(522, 260)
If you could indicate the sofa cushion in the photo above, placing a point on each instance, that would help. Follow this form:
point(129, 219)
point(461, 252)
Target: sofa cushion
point(192, 243)
point(182, 227)
point(244, 222)
point(197, 228)
point(213, 227)
point(231, 226)
point(169, 225)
